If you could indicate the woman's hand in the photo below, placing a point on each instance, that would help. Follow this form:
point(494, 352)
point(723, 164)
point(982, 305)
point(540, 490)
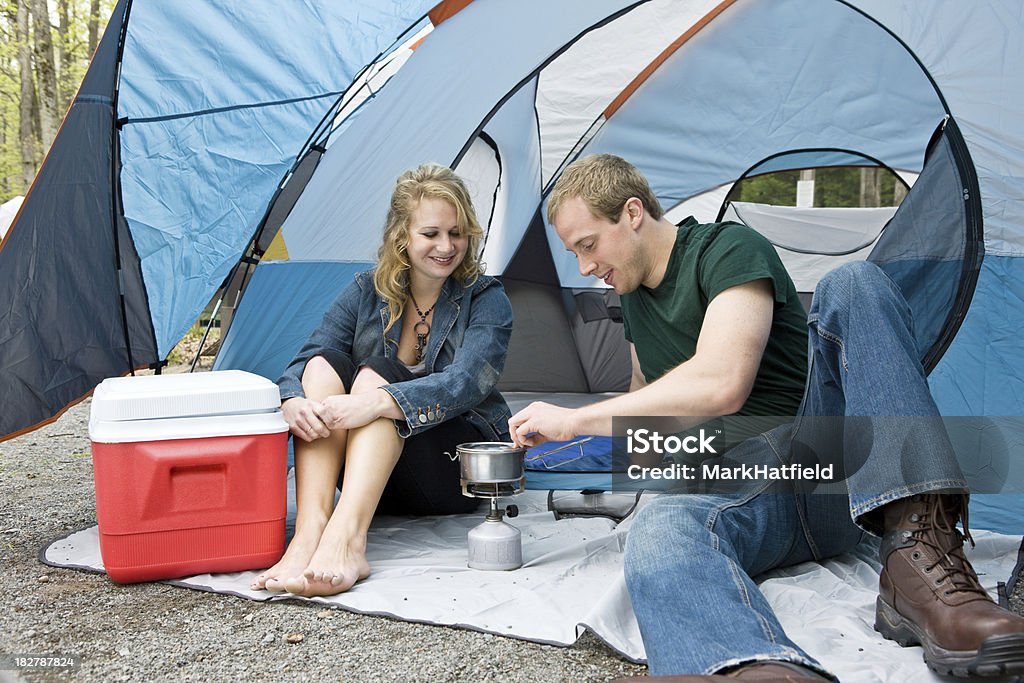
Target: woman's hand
point(347, 411)
point(300, 414)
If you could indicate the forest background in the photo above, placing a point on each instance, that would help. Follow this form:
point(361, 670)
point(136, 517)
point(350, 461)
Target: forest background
point(45, 48)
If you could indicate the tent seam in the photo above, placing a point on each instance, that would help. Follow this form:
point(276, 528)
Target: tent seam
point(220, 110)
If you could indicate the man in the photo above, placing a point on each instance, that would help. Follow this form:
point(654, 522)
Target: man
point(716, 329)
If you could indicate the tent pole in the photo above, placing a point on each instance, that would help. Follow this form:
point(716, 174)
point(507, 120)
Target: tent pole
point(220, 300)
point(209, 326)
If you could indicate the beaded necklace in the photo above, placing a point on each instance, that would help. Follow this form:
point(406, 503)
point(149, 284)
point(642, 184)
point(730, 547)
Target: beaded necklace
point(421, 328)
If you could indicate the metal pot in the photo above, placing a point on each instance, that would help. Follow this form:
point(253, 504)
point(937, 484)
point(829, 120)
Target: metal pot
point(490, 462)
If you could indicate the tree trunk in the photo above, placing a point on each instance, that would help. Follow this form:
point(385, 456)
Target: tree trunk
point(5, 179)
point(870, 187)
point(65, 57)
point(805, 193)
point(27, 139)
point(46, 72)
point(899, 193)
point(9, 175)
point(94, 26)
point(37, 126)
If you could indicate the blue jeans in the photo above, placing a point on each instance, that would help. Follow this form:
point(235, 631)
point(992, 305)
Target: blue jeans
point(690, 558)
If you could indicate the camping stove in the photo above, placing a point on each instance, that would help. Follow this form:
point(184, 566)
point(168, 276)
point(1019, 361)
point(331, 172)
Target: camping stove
point(493, 470)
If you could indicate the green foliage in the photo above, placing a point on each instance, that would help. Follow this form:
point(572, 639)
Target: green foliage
point(772, 188)
point(840, 187)
point(69, 20)
point(9, 97)
point(835, 187)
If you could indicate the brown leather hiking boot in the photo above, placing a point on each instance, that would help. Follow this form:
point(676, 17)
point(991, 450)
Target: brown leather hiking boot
point(929, 594)
point(757, 672)
point(767, 672)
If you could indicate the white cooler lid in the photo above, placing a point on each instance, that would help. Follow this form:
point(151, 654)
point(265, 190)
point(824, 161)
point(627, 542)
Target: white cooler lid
point(136, 431)
point(221, 392)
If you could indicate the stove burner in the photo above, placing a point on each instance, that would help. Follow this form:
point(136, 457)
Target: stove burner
point(493, 489)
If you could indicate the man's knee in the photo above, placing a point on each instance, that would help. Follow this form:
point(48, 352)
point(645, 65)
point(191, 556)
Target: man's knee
point(851, 278)
point(666, 532)
point(859, 283)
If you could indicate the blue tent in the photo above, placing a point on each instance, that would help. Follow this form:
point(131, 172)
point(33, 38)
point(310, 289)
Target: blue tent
point(250, 147)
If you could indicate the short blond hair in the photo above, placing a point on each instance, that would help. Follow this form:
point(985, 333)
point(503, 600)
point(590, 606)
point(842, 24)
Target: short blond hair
point(604, 182)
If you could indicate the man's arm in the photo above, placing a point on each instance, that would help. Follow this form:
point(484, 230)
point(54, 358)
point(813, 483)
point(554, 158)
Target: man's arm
point(636, 380)
point(716, 381)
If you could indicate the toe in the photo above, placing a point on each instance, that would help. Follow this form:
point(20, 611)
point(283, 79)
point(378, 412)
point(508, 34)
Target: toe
point(297, 585)
point(274, 585)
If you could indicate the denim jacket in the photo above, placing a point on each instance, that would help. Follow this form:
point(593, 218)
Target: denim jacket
point(465, 353)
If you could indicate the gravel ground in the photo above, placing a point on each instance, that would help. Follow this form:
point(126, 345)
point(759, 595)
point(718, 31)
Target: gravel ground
point(164, 633)
point(159, 632)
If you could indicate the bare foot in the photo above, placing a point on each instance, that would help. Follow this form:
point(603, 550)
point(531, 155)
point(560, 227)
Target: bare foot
point(295, 559)
point(334, 568)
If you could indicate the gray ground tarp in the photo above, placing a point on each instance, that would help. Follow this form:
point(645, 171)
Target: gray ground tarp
point(572, 580)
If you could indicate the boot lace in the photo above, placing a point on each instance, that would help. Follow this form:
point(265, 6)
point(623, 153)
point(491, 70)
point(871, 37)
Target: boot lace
point(948, 543)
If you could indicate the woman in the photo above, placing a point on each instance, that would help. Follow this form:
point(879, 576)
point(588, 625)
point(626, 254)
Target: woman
point(402, 369)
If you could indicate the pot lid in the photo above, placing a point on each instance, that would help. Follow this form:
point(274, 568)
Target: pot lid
point(489, 447)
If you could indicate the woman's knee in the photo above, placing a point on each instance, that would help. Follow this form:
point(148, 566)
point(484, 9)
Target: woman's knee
point(367, 379)
point(320, 379)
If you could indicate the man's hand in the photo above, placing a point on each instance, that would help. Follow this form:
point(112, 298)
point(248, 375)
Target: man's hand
point(540, 422)
point(348, 411)
point(300, 414)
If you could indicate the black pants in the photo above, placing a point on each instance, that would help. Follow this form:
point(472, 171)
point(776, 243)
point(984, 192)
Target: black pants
point(426, 480)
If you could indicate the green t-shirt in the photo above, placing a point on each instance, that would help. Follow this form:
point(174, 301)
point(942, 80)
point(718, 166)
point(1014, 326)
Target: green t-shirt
point(663, 323)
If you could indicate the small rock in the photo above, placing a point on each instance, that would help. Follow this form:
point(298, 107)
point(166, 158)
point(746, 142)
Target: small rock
point(249, 617)
point(30, 634)
point(123, 652)
point(43, 579)
point(325, 613)
point(294, 638)
point(268, 639)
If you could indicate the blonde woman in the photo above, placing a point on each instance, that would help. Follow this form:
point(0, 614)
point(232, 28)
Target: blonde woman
point(402, 368)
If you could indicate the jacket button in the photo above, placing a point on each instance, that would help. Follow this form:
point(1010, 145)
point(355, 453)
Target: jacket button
point(423, 419)
point(430, 415)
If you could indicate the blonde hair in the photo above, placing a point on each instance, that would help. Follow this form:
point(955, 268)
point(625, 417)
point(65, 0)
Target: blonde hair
point(391, 277)
point(604, 182)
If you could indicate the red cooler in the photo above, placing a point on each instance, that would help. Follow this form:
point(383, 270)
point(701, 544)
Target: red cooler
point(190, 474)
